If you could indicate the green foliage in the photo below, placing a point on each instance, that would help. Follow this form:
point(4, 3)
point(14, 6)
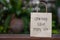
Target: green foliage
point(1, 28)
point(26, 24)
point(7, 21)
point(55, 31)
point(4, 2)
point(53, 23)
point(15, 7)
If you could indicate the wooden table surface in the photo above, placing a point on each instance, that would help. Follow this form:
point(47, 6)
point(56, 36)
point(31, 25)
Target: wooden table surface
point(26, 37)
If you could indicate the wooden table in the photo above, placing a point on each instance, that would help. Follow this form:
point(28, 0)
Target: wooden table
point(26, 37)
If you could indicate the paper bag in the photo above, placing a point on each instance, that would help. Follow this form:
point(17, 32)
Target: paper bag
point(41, 25)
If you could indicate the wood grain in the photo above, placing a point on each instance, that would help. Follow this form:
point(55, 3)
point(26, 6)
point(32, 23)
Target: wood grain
point(26, 37)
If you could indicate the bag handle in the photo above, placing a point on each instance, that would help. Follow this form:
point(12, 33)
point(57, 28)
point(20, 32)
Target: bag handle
point(45, 6)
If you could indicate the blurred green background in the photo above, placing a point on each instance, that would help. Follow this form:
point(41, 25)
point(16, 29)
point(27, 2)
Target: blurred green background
point(15, 14)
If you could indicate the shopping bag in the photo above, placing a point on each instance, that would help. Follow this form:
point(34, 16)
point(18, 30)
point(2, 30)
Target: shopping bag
point(41, 25)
